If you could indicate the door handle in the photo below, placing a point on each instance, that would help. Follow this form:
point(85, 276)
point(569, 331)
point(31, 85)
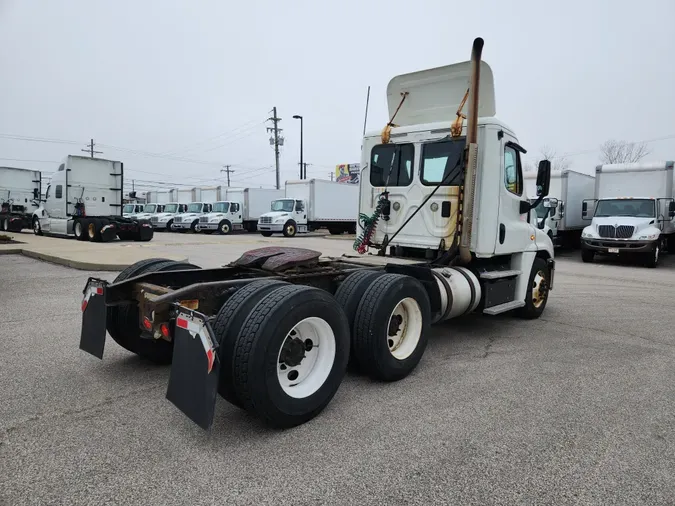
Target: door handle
point(502, 233)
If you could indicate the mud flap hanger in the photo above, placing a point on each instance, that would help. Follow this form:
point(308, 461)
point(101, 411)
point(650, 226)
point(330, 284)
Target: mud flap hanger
point(195, 369)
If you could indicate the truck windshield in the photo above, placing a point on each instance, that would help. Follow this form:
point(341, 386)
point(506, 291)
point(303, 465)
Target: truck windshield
point(195, 207)
point(541, 211)
point(638, 208)
point(283, 205)
point(171, 208)
point(150, 208)
point(221, 207)
point(128, 208)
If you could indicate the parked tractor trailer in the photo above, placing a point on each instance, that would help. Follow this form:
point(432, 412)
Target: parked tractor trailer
point(273, 332)
point(84, 200)
point(19, 196)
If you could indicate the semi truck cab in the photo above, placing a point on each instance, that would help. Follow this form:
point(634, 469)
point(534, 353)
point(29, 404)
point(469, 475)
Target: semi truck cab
point(224, 217)
point(190, 218)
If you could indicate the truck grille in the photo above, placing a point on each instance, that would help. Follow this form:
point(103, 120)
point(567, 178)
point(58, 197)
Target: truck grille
point(618, 232)
point(177, 219)
point(204, 219)
point(154, 219)
point(265, 219)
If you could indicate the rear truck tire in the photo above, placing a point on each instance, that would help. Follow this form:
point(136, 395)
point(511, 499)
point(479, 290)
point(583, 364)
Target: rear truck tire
point(37, 229)
point(158, 351)
point(94, 230)
point(193, 226)
point(335, 231)
point(228, 323)
point(224, 227)
point(391, 327)
point(80, 229)
point(145, 232)
point(349, 295)
point(652, 258)
point(352, 229)
point(266, 234)
point(537, 294)
point(290, 229)
point(587, 255)
point(5, 224)
point(291, 355)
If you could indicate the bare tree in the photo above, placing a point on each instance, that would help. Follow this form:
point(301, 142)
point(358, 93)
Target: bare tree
point(558, 162)
point(613, 151)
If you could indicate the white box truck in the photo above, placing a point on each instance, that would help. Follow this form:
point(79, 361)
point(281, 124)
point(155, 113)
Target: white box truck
point(633, 212)
point(212, 194)
point(20, 191)
point(164, 220)
point(160, 197)
point(240, 211)
point(559, 214)
point(84, 200)
point(189, 219)
point(311, 204)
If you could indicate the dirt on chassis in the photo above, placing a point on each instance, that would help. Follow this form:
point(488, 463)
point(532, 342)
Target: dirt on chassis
point(271, 333)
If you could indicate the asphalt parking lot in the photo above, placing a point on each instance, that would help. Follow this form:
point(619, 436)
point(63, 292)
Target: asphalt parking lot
point(574, 408)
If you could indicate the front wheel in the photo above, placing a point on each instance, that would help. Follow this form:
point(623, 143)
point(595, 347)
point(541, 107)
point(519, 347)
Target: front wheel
point(652, 259)
point(5, 224)
point(224, 227)
point(80, 229)
point(290, 229)
point(37, 229)
point(587, 255)
point(537, 293)
point(266, 234)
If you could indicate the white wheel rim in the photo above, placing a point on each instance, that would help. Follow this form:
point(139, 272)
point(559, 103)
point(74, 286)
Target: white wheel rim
point(36, 226)
point(404, 328)
point(302, 374)
point(225, 228)
point(656, 254)
point(78, 228)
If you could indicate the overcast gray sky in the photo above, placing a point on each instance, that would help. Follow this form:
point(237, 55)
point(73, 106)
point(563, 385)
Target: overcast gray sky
point(155, 80)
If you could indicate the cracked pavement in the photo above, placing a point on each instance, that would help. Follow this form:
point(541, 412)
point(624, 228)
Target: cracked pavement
point(577, 407)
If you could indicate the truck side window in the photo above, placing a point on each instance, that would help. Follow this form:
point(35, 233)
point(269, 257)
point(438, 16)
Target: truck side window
point(299, 206)
point(442, 162)
point(513, 172)
point(392, 164)
point(58, 193)
point(234, 208)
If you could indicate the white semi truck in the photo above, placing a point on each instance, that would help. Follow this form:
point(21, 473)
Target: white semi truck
point(240, 211)
point(273, 332)
point(84, 200)
point(311, 204)
point(559, 214)
point(633, 212)
point(20, 191)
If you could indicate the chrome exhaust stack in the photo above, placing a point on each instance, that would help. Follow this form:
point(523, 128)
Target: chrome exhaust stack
point(469, 192)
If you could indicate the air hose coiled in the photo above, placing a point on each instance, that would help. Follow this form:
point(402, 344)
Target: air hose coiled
point(368, 225)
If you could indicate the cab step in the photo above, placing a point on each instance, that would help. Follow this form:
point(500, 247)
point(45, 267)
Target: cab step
point(499, 274)
point(503, 308)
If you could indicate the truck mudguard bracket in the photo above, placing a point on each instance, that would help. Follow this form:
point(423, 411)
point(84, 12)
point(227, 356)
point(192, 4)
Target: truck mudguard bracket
point(93, 333)
point(195, 369)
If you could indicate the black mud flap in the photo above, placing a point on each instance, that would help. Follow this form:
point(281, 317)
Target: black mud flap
point(92, 336)
point(195, 369)
point(551, 270)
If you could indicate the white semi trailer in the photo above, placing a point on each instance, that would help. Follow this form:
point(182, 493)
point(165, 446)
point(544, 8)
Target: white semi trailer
point(20, 191)
point(311, 204)
point(240, 211)
point(273, 332)
point(84, 200)
point(559, 214)
point(633, 212)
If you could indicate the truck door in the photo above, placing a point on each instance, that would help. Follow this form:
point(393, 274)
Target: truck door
point(235, 213)
point(300, 215)
point(59, 220)
point(45, 221)
point(513, 234)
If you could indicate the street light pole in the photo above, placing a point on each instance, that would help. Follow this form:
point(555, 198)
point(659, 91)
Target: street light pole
point(303, 171)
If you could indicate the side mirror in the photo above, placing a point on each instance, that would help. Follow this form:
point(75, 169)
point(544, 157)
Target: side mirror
point(36, 193)
point(671, 209)
point(543, 178)
point(562, 209)
point(584, 209)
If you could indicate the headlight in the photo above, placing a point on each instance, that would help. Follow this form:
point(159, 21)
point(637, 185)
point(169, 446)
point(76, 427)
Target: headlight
point(214, 220)
point(163, 220)
point(648, 237)
point(279, 220)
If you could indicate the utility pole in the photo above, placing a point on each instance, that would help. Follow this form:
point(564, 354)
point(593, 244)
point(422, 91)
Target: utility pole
point(276, 141)
point(90, 149)
point(227, 170)
point(303, 170)
point(331, 176)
